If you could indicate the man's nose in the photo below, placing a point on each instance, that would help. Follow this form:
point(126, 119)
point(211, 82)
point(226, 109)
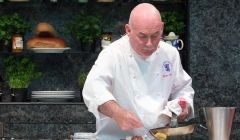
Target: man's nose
point(149, 42)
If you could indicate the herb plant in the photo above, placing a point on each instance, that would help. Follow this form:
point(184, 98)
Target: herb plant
point(10, 24)
point(85, 28)
point(173, 22)
point(81, 79)
point(20, 71)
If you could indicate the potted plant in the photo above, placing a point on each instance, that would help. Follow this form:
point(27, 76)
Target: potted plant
point(81, 80)
point(9, 25)
point(173, 22)
point(19, 72)
point(86, 29)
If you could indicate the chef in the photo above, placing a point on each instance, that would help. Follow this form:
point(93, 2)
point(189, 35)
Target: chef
point(133, 80)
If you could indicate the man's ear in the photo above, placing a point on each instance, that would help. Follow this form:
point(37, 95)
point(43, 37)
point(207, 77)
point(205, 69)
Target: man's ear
point(162, 27)
point(127, 29)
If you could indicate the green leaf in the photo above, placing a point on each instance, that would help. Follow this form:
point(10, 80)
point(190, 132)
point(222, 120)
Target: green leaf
point(173, 22)
point(84, 27)
point(10, 24)
point(20, 71)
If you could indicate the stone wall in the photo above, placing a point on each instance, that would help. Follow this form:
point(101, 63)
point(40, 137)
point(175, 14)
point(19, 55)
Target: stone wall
point(214, 32)
point(215, 52)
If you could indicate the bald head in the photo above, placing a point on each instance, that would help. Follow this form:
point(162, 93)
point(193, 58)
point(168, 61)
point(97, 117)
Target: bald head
point(144, 13)
point(144, 29)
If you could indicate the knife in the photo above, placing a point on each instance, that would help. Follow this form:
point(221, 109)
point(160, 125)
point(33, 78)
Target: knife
point(173, 122)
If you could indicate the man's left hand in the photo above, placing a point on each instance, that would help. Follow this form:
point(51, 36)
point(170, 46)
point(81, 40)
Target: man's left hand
point(185, 110)
point(184, 115)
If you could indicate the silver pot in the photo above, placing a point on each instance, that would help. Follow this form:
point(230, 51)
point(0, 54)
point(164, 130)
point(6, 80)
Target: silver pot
point(219, 121)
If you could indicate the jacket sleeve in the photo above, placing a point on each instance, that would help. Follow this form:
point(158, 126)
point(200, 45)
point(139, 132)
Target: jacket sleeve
point(182, 85)
point(97, 88)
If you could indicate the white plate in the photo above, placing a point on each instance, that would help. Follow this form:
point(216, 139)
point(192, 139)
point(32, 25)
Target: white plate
point(83, 135)
point(49, 50)
point(53, 92)
point(52, 99)
point(52, 96)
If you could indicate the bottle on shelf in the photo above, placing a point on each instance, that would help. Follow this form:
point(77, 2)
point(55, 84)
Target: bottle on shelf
point(17, 42)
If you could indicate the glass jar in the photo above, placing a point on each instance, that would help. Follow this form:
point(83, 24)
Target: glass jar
point(17, 43)
point(106, 39)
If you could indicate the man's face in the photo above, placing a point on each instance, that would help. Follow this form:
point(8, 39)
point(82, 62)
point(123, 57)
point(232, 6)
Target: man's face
point(144, 39)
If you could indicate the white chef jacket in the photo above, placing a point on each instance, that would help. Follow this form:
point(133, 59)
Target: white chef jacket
point(144, 89)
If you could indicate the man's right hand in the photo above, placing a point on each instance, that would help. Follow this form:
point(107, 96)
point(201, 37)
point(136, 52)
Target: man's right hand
point(125, 119)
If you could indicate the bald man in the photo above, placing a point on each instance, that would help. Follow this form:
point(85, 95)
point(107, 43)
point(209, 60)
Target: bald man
point(134, 79)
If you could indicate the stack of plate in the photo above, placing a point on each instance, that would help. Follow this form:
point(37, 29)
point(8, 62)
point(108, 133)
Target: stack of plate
point(84, 136)
point(53, 96)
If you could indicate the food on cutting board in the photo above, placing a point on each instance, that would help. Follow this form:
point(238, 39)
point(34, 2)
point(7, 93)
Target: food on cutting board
point(46, 37)
point(137, 138)
point(160, 136)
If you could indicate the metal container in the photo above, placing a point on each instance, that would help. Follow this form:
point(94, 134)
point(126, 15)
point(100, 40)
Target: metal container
point(219, 122)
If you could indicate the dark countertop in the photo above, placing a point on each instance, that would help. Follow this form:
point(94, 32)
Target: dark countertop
point(58, 120)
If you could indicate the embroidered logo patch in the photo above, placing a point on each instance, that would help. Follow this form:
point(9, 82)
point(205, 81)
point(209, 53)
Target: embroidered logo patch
point(167, 69)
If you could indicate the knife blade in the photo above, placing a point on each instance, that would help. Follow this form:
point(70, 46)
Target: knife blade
point(173, 122)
